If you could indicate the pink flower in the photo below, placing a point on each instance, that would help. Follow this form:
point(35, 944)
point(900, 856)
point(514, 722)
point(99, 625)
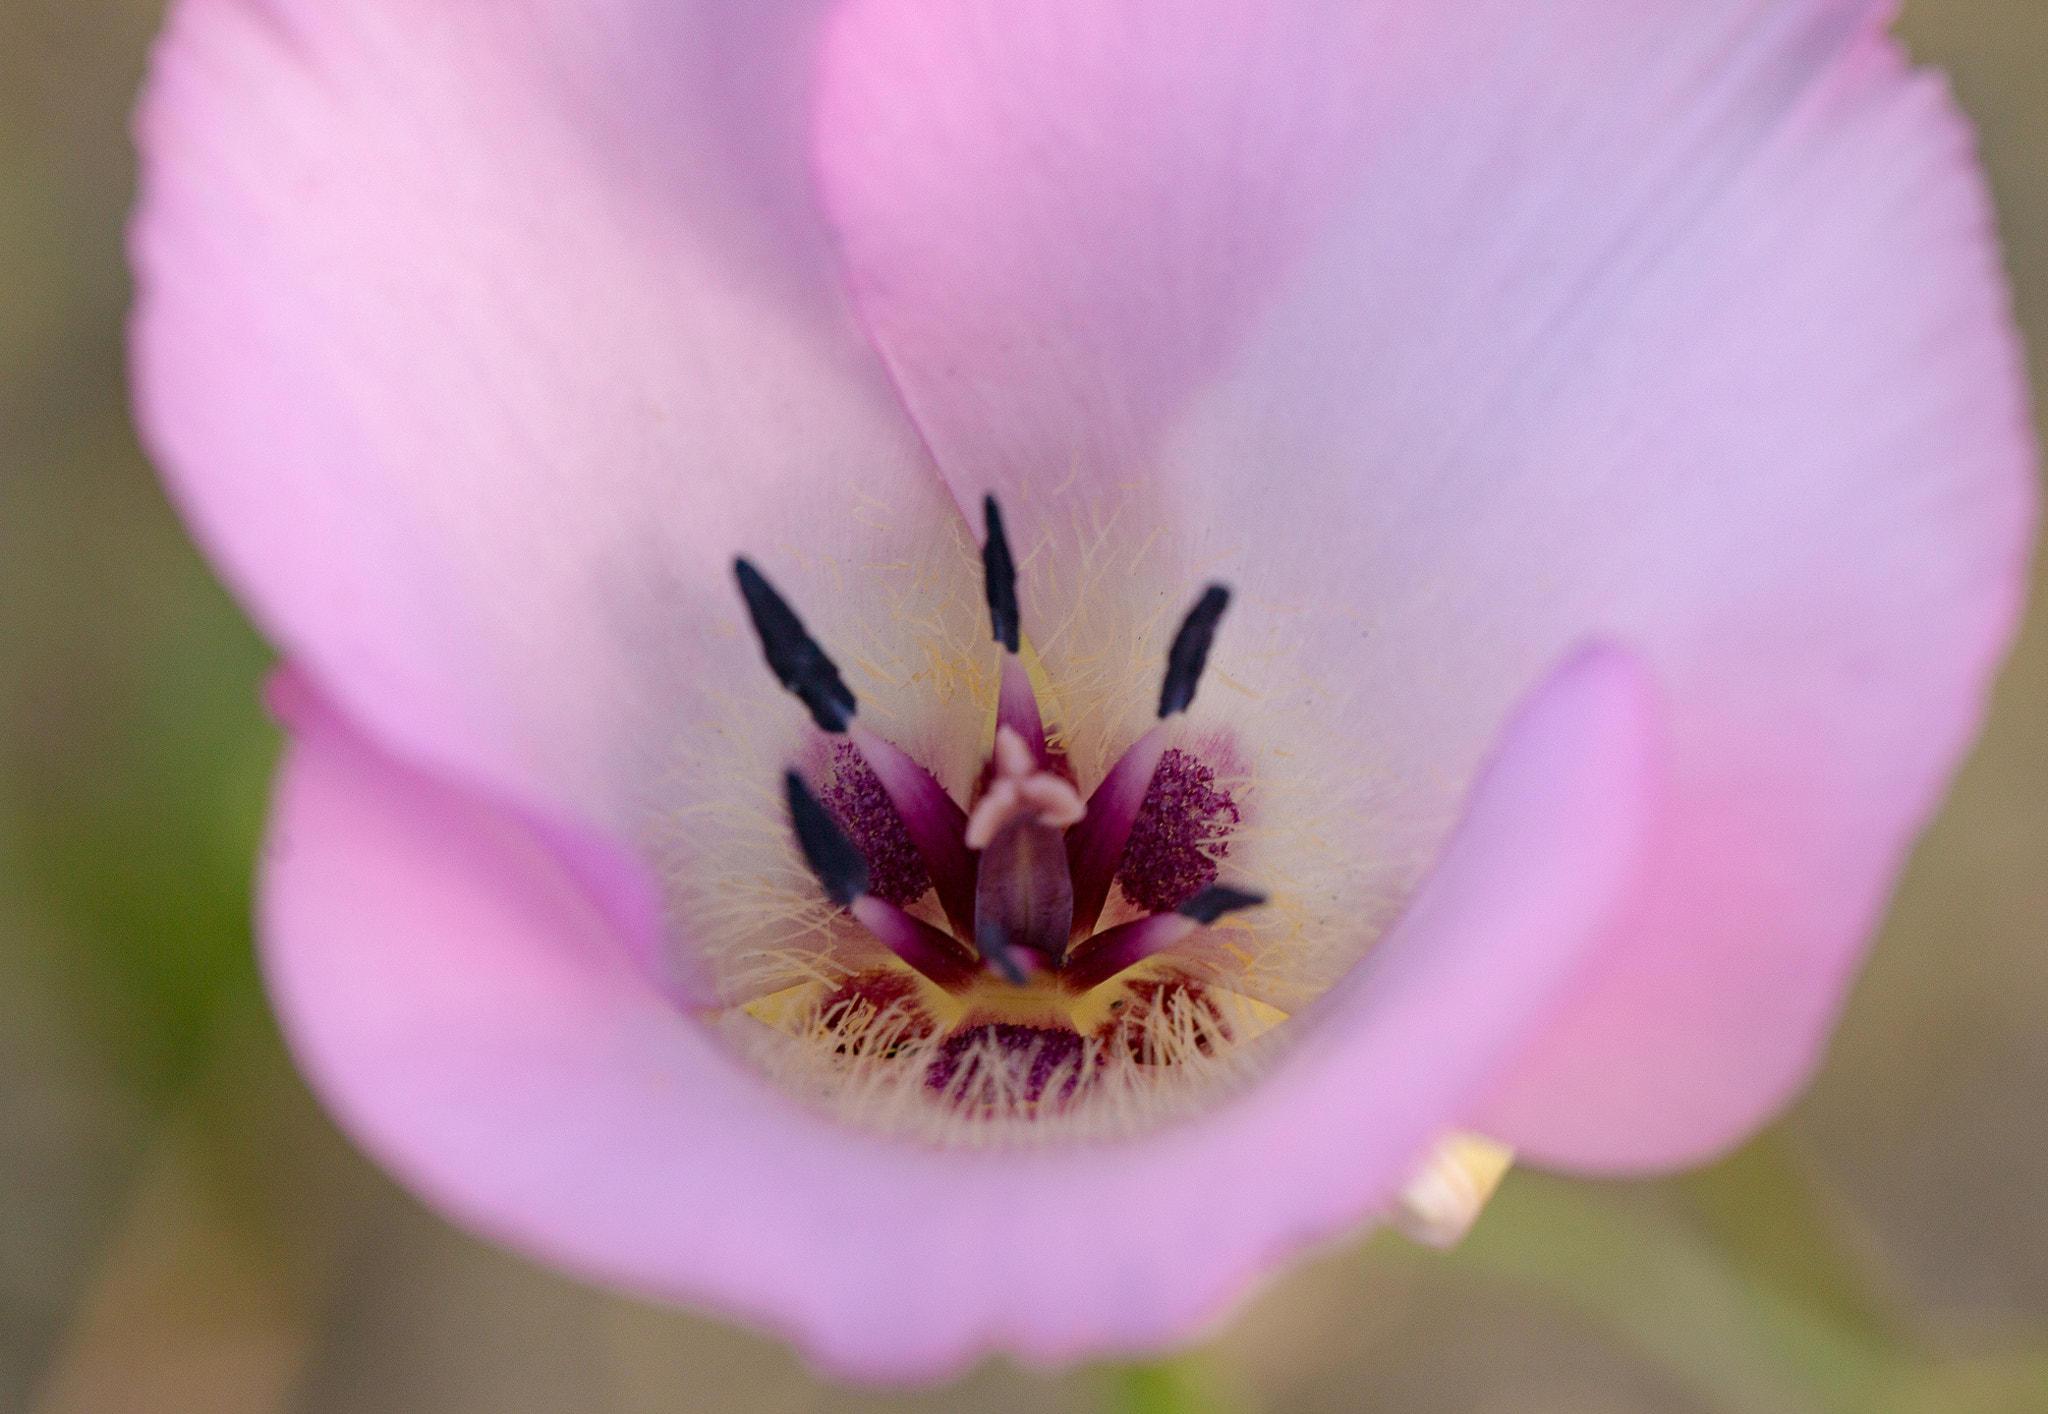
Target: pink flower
point(1607, 416)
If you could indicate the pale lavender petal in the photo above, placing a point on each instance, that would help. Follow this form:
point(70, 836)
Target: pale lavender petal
point(477, 1026)
point(476, 340)
point(1452, 334)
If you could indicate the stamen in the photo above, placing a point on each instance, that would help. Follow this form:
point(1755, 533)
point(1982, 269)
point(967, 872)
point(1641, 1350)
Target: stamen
point(1180, 838)
point(1190, 651)
point(937, 954)
point(1095, 847)
point(1085, 1038)
point(1016, 703)
point(999, 572)
point(851, 791)
point(840, 870)
point(1128, 944)
point(1017, 709)
point(935, 821)
point(843, 875)
point(1109, 952)
point(797, 660)
point(1215, 901)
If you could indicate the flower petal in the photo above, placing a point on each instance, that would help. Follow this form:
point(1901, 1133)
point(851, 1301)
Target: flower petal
point(467, 1016)
point(1454, 334)
point(475, 340)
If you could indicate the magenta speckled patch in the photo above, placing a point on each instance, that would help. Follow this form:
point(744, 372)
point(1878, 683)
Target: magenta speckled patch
point(1182, 830)
point(1051, 1050)
point(856, 800)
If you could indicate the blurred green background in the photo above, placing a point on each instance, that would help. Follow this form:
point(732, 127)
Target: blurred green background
point(180, 1230)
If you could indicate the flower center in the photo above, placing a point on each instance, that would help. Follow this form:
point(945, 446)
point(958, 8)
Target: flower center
point(1035, 962)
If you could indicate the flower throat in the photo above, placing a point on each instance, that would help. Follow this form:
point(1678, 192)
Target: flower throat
point(986, 997)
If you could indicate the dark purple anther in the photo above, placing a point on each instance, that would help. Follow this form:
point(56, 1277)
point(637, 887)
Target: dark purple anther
point(935, 823)
point(1027, 874)
point(999, 573)
point(797, 661)
point(1215, 901)
point(1095, 847)
point(838, 866)
point(1190, 651)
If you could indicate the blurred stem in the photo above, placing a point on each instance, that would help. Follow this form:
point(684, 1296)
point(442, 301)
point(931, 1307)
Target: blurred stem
point(1762, 1210)
point(1186, 1384)
point(1744, 1345)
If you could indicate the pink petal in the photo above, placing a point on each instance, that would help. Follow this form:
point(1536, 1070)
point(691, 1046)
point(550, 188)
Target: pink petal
point(477, 1027)
point(475, 340)
point(1058, 218)
point(1454, 334)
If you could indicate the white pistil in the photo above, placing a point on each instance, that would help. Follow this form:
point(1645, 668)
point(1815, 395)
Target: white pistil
point(1021, 789)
